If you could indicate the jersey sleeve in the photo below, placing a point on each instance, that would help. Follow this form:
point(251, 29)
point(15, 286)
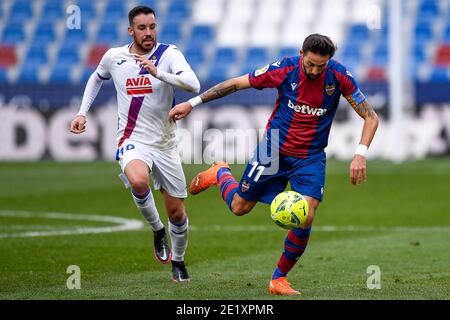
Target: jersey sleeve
point(178, 62)
point(349, 87)
point(270, 76)
point(103, 69)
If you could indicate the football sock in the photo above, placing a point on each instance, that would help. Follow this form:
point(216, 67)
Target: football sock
point(228, 185)
point(294, 246)
point(146, 205)
point(179, 237)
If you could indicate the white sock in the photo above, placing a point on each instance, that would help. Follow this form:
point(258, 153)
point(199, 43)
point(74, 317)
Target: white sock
point(179, 238)
point(147, 207)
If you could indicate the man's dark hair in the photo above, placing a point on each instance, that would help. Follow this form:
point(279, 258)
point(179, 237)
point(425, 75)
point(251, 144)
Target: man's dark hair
point(320, 44)
point(139, 10)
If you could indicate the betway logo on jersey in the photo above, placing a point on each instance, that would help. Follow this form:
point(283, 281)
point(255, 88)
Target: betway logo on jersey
point(305, 109)
point(141, 85)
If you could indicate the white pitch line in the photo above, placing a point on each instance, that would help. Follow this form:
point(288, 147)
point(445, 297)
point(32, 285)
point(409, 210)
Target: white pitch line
point(123, 224)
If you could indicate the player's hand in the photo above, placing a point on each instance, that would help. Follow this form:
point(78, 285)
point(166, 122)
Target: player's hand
point(147, 64)
point(358, 170)
point(78, 125)
point(180, 111)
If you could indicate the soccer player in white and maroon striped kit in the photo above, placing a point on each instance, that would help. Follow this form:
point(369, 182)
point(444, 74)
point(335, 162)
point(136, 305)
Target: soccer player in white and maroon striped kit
point(145, 73)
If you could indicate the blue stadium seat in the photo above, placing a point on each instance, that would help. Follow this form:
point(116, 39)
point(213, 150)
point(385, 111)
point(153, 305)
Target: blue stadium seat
point(68, 55)
point(152, 4)
point(225, 56)
point(440, 74)
point(21, 11)
point(3, 76)
point(195, 56)
point(87, 9)
point(45, 31)
point(75, 36)
point(218, 73)
point(428, 9)
point(446, 37)
point(28, 74)
point(352, 52)
point(178, 11)
point(36, 55)
point(60, 73)
point(380, 55)
point(53, 10)
point(107, 32)
point(201, 34)
point(288, 52)
point(256, 57)
point(358, 33)
point(423, 32)
point(13, 33)
point(418, 53)
point(170, 33)
point(115, 10)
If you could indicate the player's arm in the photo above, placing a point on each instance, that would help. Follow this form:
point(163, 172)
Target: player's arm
point(218, 91)
point(78, 124)
point(358, 164)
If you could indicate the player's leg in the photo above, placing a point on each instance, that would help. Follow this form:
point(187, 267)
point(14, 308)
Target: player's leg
point(137, 172)
point(178, 230)
point(308, 180)
point(168, 177)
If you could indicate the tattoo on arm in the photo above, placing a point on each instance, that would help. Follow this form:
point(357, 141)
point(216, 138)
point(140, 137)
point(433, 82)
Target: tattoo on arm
point(218, 91)
point(363, 109)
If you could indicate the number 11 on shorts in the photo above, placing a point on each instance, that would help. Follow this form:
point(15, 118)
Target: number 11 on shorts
point(258, 168)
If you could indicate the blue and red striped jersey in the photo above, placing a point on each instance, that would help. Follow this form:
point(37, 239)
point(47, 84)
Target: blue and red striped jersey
point(304, 109)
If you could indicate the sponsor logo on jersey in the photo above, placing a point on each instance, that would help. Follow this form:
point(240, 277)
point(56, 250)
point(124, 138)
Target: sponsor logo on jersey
point(140, 85)
point(121, 62)
point(329, 89)
point(305, 109)
point(261, 70)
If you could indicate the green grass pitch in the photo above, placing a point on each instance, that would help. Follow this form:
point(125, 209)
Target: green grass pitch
point(399, 220)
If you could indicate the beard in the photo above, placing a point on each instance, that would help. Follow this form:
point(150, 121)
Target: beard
point(144, 45)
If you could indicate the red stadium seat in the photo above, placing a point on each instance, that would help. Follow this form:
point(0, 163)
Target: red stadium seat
point(95, 55)
point(375, 74)
point(8, 56)
point(443, 55)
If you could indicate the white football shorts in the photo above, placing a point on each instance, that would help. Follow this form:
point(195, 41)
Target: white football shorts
point(166, 170)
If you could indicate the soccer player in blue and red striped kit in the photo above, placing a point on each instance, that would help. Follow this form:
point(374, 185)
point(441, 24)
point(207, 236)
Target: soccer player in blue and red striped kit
point(309, 87)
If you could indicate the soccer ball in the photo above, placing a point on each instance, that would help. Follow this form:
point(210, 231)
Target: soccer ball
point(289, 210)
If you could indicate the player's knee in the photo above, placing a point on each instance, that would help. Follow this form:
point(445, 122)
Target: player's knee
point(139, 184)
point(176, 214)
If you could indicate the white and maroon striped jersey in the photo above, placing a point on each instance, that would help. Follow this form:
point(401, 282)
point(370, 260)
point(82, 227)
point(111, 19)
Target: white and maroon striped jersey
point(143, 100)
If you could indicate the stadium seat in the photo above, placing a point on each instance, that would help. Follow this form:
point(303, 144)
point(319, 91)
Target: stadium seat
point(423, 32)
point(195, 56)
point(352, 52)
point(376, 74)
point(21, 11)
point(8, 57)
point(440, 74)
point(428, 9)
point(358, 33)
point(170, 33)
point(95, 55)
point(45, 31)
point(288, 52)
point(443, 55)
point(178, 11)
point(115, 10)
point(36, 55)
point(60, 73)
point(201, 34)
point(28, 73)
point(107, 33)
point(87, 9)
point(53, 10)
point(3, 75)
point(68, 54)
point(13, 33)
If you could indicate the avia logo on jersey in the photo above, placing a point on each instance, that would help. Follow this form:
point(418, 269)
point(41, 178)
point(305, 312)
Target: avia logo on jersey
point(305, 109)
point(141, 85)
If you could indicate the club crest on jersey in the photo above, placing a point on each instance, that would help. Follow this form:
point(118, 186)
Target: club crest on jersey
point(245, 186)
point(329, 89)
point(305, 109)
point(261, 70)
point(140, 85)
